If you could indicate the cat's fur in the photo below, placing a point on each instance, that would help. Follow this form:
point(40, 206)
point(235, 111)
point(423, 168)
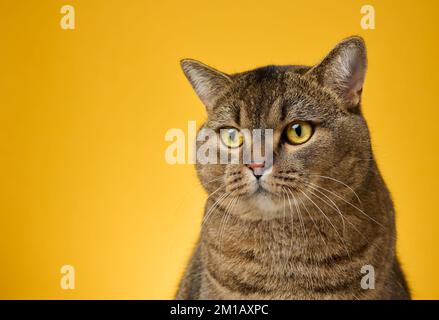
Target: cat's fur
point(327, 212)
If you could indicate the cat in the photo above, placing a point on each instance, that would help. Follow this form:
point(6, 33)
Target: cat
point(309, 224)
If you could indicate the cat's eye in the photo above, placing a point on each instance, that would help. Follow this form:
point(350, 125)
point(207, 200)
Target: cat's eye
point(231, 137)
point(298, 132)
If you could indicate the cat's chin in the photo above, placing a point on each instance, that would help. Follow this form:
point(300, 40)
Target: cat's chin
point(262, 205)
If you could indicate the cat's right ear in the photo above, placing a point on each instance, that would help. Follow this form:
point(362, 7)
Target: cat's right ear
point(208, 83)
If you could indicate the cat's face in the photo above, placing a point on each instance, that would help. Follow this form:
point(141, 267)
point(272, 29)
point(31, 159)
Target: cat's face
point(318, 133)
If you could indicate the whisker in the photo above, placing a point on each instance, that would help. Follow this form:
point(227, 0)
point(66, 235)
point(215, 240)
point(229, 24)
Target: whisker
point(329, 220)
point(312, 219)
point(285, 263)
point(215, 205)
point(229, 209)
point(299, 214)
point(347, 219)
point(341, 182)
point(292, 221)
point(344, 200)
point(335, 207)
point(222, 224)
point(283, 197)
point(213, 180)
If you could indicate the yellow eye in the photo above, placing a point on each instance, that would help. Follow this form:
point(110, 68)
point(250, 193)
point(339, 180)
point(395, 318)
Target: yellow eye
point(231, 137)
point(298, 132)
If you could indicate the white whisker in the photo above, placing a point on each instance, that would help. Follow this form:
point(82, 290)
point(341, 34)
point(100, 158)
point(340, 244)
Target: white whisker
point(329, 220)
point(344, 200)
point(341, 182)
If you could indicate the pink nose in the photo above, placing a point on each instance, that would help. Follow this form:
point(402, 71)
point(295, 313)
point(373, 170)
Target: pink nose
point(257, 168)
point(256, 165)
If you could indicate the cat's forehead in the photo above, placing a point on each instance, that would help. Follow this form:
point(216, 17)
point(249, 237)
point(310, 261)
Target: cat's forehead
point(266, 96)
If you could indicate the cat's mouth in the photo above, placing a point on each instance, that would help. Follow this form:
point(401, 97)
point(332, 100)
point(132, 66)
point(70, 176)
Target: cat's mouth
point(274, 191)
point(260, 190)
point(263, 189)
point(265, 200)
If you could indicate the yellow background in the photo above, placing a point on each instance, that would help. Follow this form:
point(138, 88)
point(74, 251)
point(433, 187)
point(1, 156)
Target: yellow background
point(84, 112)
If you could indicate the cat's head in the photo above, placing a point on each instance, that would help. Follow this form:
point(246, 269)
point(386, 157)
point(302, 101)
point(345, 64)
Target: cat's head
point(319, 134)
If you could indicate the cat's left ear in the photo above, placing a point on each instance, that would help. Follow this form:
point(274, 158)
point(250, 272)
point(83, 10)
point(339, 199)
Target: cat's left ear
point(343, 70)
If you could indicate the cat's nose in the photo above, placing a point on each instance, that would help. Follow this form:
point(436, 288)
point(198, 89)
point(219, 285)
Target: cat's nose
point(257, 168)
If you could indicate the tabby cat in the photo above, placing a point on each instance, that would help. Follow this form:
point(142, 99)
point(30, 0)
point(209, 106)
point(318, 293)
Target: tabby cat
point(318, 220)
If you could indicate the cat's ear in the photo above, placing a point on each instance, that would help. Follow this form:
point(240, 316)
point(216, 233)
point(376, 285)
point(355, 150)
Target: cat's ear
point(343, 70)
point(208, 83)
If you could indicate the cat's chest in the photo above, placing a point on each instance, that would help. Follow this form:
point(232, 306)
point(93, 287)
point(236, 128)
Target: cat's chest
point(267, 267)
point(213, 288)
